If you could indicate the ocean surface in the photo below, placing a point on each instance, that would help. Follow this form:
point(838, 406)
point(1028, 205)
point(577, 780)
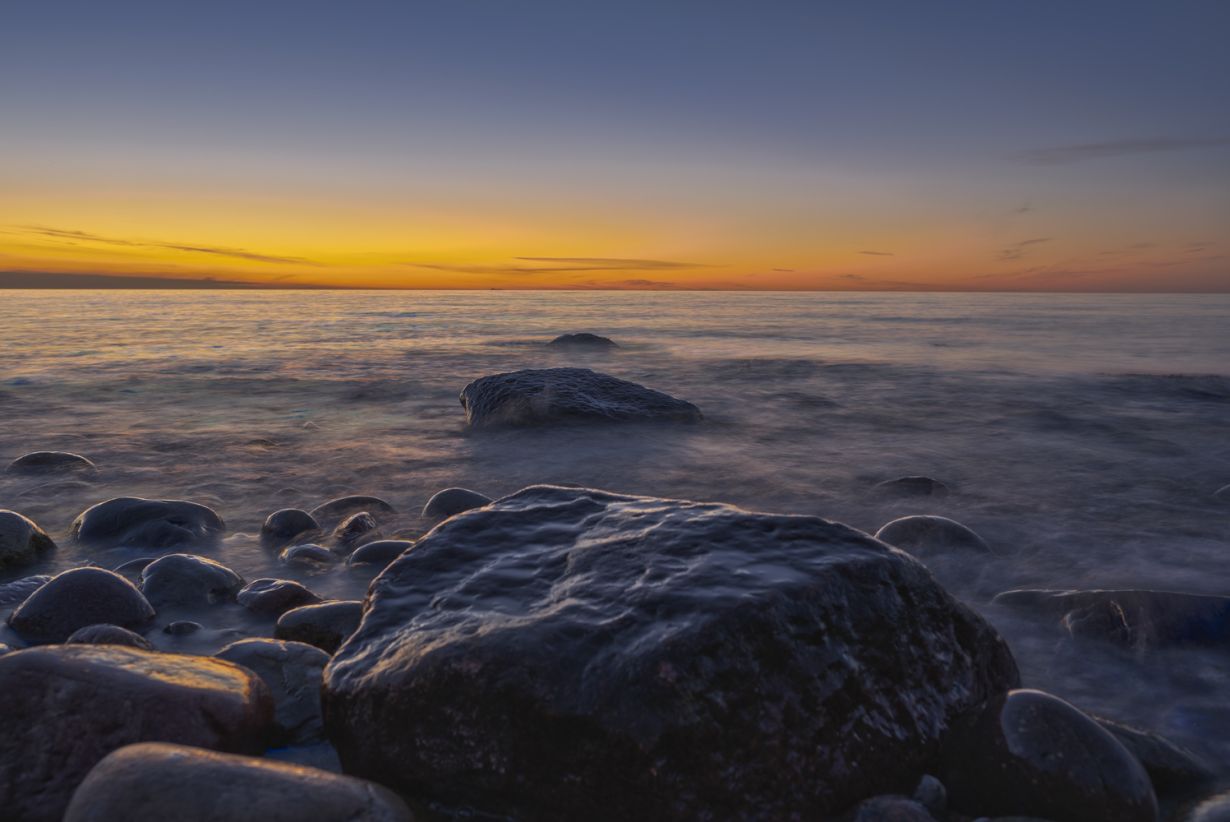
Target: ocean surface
point(1083, 436)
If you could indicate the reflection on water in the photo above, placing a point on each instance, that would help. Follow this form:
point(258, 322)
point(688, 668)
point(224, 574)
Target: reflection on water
point(1083, 435)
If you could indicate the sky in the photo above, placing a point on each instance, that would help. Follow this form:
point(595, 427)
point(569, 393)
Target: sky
point(874, 145)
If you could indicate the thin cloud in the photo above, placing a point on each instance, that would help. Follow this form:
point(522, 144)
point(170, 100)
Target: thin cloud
point(784, 270)
point(73, 237)
point(1080, 152)
point(858, 277)
point(878, 253)
point(1019, 249)
point(564, 265)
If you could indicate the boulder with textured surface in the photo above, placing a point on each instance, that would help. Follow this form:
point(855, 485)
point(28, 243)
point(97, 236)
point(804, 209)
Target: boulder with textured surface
point(292, 671)
point(78, 598)
point(22, 542)
point(184, 580)
point(132, 522)
point(573, 653)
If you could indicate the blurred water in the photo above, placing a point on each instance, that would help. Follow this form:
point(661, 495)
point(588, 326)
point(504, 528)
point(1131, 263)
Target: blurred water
point(1084, 435)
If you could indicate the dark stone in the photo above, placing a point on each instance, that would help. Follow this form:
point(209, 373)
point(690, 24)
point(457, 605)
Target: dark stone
point(381, 552)
point(182, 627)
point(307, 555)
point(571, 653)
point(1032, 754)
point(453, 501)
point(283, 527)
point(133, 567)
point(931, 794)
point(50, 462)
point(1214, 809)
point(292, 670)
point(355, 530)
point(22, 542)
point(104, 634)
point(17, 591)
point(891, 809)
point(65, 707)
point(924, 534)
point(274, 597)
point(148, 523)
point(1135, 619)
point(77, 599)
point(913, 487)
point(333, 511)
point(563, 395)
point(582, 340)
point(1173, 770)
point(326, 625)
point(184, 580)
point(154, 782)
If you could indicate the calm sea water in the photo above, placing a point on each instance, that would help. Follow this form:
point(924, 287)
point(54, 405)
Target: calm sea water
point(1083, 435)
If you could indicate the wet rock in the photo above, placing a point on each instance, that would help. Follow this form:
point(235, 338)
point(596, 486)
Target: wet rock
point(274, 597)
point(355, 530)
point(283, 527)
point(50, 462)
point(292, 670)
point(452, 501)
point(913, 487)
point(1135, 619)
point(22, 542)
point(65, 707)
point(307, 555)
point(132, 568)
point(924, 534)
point(564, 395)
point(182, 627)
point(572, 653)
point(17, 591)
point(1214, 809)
point(582, 340)
point(891, 809)
point(931, 794)
point(326, 625)
point(1172, 769)
point(148, 523)
point(1032, 754)
point(333, 511)
point(77, 599)
point(381, 552)
point(184, 580)
point(108, 635)
point(154, 782)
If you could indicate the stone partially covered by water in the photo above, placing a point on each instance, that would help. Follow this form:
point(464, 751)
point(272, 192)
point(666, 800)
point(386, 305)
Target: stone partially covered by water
point(132, 522)
point(77, 599)
point(583, 339)
point(66, 707)
point(562, 395)
point(184, 580)
point(50, 462)
point(572, 653)
point(927, 534)
point(22, 542)
point(284, 527)
point(326, 624)
point(453, 501)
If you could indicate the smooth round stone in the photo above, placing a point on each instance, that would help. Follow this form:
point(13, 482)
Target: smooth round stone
point(582, 340)
point(927, 534)
point(354, 531)
point(292, 671)
point(913, 487)
point(931, 794)
point(308, 555)
point(182, 627)
point(285, 526)
point(337, 509)
point(108, 635)
point(77, 599)
point(156, 782)
point(133, 567)
point(453, 501)
point(133, 522)
point(188, 581)
point(274, 597)
point(22, 542)
point(50, 462)
point(17, 591)
point(379, 553)
point(325, 625)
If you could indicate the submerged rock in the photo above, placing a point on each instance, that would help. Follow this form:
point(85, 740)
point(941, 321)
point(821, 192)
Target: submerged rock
point(572, 653)
point(1171, 769)
point(273, 597)
point(182, 627)
point(326, 625)
point(927, 534)
point(104, 634)
point(1032, 754)
point(184, 580)
point(562, 395)
point(76, 599)
point(381, 552)
point(292, 671)
point(17, 591)
point(50, 462)
point(283, 527)
point(66, 707)
point(453, 501)
point(913, 487)
point(307, 555)
point(153, 782)
point(355, 530)
point(22, 542)
point(133, 522)
point(333, 511)
point(582, 340)
point(1214, 809)
point(891, 809)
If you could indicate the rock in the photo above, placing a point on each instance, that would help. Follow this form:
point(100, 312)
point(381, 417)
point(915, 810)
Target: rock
point(133, 567)
point(50, 462)
point(274, 597)
point(572, 653)
point(292, 670)
point(335, 510)
point(1171, 769)
point(924, 534)
point(182, 627)
point(452, 501)
point(913, 487)
point(381, 552)
point(931, 794)
point(355, 530)
point(562, 395)
point(148, 523)
point(77, 599)
point(22, 542)
point(582, 340)
point(326, 625)
point(1131, 618)
point(891, 809)
point(155, 782)
point(65, 707)
point(104, 634)
point(188, 581)
point(1032, 754)
point(17, 591)
point(283, 527)
point(307, 555)
point(1214, 809)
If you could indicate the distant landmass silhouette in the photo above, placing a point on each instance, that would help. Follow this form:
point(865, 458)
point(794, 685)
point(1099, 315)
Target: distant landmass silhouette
point(50, 279)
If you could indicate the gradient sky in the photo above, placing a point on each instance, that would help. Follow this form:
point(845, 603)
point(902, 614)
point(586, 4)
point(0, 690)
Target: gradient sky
point(668, 144)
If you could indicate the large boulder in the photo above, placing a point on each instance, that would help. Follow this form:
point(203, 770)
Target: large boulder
point(133, 522)
point(292, 671)
point(155, 782)
point(22, 542)
point(76, 599)
point(66, 707)
point(573, 653)
point(50, 462)
point(561, 395)
point(188, 581)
